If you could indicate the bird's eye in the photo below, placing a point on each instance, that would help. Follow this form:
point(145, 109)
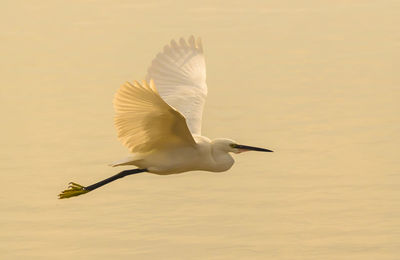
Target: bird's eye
point(232, 145)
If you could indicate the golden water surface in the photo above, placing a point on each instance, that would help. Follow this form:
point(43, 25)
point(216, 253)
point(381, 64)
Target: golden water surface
point(316, 81)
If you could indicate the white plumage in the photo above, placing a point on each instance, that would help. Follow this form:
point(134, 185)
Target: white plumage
point(179, 72)
point(145, 122)
point(160, 121)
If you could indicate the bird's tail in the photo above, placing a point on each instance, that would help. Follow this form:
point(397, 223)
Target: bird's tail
point(126, 161)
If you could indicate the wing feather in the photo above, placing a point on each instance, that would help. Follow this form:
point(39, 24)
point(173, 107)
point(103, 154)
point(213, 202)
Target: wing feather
point(180, 75)
point(144, 121)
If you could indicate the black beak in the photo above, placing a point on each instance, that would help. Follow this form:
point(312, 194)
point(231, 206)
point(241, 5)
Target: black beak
point(251, 148)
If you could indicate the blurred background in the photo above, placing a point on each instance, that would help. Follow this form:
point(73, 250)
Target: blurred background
point(315, 81)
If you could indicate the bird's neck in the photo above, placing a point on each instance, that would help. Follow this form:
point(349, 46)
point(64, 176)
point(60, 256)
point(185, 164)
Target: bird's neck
point(223, 160)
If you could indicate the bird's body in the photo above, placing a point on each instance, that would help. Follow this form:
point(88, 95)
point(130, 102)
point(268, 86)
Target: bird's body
point(159, 121)
point(203, 156)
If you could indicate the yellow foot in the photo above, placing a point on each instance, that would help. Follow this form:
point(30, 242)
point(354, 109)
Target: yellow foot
point(74, 189)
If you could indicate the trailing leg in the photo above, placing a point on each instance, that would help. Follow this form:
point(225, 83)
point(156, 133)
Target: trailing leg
point(75, 189)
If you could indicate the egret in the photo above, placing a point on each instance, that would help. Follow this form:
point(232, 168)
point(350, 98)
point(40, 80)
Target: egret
point(159, 120)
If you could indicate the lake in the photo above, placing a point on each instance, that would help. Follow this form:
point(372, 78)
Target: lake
point(315, 81)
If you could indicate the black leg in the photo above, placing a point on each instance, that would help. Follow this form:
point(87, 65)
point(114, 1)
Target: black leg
point(113, 178)
point(75, 189)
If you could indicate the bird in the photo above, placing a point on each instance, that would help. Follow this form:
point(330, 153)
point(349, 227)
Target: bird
point(159, 120)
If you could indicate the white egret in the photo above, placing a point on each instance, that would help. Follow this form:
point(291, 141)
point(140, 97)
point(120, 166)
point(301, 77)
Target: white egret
point(160, 119)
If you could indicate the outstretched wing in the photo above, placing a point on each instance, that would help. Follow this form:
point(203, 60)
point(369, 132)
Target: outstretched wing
point(179, 73)
point(145, 122)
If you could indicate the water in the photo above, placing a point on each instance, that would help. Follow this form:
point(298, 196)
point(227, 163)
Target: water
point(316, 82)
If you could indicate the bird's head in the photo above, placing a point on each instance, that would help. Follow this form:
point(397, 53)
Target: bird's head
point(231, 146)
